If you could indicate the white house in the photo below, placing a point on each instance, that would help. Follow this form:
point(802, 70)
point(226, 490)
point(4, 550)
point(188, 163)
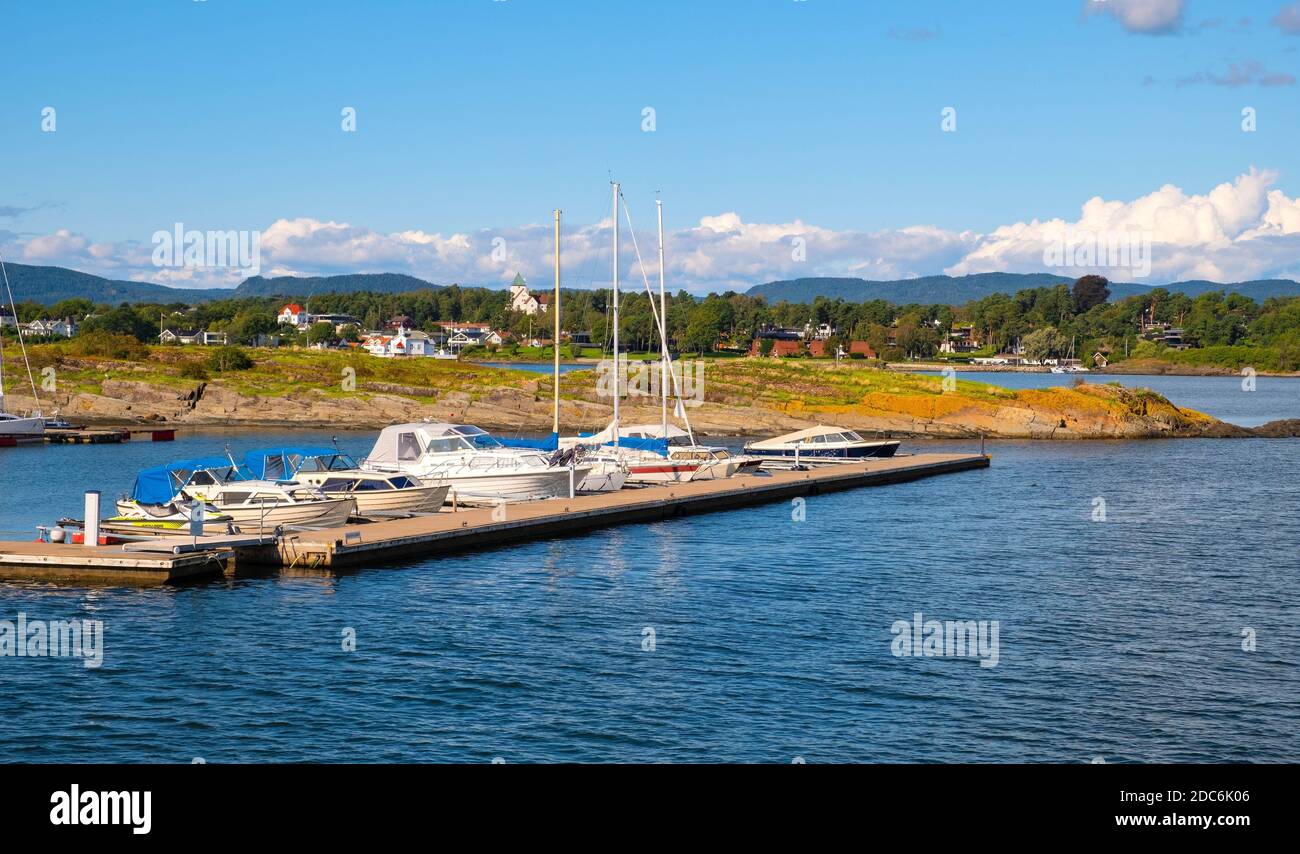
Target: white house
point(293, 315)
point(191, 336)
point(523, 300)
point(405, 343)
point(65, 328)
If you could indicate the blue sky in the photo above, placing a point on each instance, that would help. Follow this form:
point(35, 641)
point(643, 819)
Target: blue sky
point(477, 117)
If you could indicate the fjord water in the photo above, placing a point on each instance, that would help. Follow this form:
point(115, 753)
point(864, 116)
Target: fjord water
point(1224, 397)
point(1119, 639)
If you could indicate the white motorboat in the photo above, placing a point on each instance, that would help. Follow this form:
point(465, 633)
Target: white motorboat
point(338, 476)
point(819, 445)
point(252, 504)
point(476, 466)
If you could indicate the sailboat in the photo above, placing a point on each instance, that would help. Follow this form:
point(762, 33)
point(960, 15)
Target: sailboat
point(601, 471)
point(655, 453)
point(12, 425)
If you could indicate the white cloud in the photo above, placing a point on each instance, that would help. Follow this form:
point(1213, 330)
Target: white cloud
point(1242, 229)
point(1239, 230)
point(1288, 19)
point(1152, 17)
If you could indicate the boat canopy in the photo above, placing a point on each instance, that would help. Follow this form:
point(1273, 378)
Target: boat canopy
point(162, 484)
point(285, 463)
point(812, 435)
point(404, 443)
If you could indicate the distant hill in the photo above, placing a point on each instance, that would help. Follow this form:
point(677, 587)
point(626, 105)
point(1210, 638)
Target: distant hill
point(48, 285)
point(955, 290)
point(295, 286)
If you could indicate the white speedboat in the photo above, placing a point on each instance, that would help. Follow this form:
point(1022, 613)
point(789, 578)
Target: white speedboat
point(476, 466)
point(251, 504)
point(338, 476)
point(819, 446)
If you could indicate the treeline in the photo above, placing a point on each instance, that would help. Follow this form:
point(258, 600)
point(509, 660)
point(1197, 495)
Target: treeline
point(1046, 320)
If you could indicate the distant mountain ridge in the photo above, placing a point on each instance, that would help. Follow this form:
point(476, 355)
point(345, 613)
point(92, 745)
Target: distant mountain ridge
point(955, 290)
point(303, 286)
point(48, 285)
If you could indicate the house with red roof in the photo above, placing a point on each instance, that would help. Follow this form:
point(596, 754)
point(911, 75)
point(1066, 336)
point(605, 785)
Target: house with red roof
point(293, 315)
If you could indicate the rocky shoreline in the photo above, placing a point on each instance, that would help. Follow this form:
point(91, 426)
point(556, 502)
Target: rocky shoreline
point(1083, 412)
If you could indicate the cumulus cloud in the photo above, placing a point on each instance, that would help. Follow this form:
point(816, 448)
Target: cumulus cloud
point(1239, 230)
point(1242, 229)
point(1152, 17)
point(1288, 19)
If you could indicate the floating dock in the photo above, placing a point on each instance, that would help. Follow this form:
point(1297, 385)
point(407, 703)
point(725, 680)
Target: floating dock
point(440, 533)
point(62, 562)
point(88, 436)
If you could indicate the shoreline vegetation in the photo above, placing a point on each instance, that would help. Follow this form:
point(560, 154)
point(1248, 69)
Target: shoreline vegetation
point(288, 387)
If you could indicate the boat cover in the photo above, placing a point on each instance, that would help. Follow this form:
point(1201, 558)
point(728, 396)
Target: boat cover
point(161, 484)
point(284, 463)
point(547, 443)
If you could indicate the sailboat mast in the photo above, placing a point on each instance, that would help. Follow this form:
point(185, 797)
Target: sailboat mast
point(663, 323)
point(555, 344)
point(618, 368)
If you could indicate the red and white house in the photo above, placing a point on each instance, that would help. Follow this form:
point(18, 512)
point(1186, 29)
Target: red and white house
point(294, 315)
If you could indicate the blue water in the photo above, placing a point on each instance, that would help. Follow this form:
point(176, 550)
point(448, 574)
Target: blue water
point(1226, 398)
point(541, 367)
point(1118, 639)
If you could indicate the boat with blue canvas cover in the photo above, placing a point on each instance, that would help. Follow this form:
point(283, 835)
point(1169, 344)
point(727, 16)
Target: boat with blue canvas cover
point(337, 475)
point(250, 502)
point(818, 446)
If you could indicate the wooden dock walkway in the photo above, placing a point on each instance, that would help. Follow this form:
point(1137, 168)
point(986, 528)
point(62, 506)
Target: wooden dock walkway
point(439, 533)
point(63, 562)
point(353, 545)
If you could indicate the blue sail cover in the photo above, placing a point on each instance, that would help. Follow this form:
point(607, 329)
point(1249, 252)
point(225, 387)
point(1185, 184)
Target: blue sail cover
point(658, 446)
point(161, 484)
point(284, 463)
point(549, 443)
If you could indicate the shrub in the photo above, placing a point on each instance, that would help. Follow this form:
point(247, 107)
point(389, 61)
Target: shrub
point(194, 371)
point(229, 358)
point(113, 345)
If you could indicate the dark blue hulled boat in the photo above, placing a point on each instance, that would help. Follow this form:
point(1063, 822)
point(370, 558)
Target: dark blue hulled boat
point(820, 446)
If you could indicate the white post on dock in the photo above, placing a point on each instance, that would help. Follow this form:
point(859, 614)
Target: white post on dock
point(571, 476)
point(92, 517)
point(196, 520)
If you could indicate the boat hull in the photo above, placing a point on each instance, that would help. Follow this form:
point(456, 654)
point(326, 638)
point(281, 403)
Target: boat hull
point(421, 499)
point(22, 426)
point(605, 476)
point(777, 457)
point(322, 514)
point(521, 486)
